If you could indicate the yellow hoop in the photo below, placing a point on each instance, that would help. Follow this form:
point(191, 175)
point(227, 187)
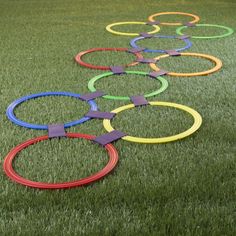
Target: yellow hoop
point(218, 64)
point(108, 28)
point(197, 123)
point(196, 18)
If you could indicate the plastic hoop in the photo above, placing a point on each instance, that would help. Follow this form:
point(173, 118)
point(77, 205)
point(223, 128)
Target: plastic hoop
point(164, 85)
point(108, 28)
point(196, 125)
point(187, 41)
point(79, 60)
point(218, 64)
point(10, 172)
point(195, 17)
point(229, 31)
point(11, 116)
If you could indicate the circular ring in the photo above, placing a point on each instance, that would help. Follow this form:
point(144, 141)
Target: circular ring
point(229, 31)
point(11, 116)
point(79, 60)
point(217, 62)
point(10, 172)
point(108, 28)
point(164, 85)
point(187, 41)
point(195, 17)
point(197, 123)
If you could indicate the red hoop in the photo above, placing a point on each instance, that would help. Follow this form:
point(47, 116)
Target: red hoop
point(10, 172)
point(78, 57)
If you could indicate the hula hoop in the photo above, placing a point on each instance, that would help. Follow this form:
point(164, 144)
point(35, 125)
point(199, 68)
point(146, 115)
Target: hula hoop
point(196, 125)
point(164, 85)
point(187, 41)
point(10, 172)
point(79, 60)
point(108, 28)
point(195, 17)
point(229, 31)
point(11, 116)
point(216, 61)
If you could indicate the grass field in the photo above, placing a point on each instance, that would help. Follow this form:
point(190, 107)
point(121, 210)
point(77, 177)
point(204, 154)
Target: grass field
point(180, 188)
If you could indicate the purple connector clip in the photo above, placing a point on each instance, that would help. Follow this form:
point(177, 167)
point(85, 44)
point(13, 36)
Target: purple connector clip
point(182, 37)
point(100, 115)
point(172, 52)
point(109, 137)
point(153, 23)
point(139, 100)
point(155, 74)
point(136, 50)
point(189, 24)
point(146, 35)
point(146, 60)
point(56, 130)
point(91, 96)
point(117, 70)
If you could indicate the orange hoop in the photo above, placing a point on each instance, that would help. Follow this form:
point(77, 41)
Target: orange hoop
point(195, 18)
point(217, 62)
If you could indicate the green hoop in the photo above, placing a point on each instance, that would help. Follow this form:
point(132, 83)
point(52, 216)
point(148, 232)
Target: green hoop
point(164, 85)
point(229, 31)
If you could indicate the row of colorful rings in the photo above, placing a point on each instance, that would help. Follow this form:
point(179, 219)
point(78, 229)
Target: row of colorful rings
point(152, 22)
point(111, 150)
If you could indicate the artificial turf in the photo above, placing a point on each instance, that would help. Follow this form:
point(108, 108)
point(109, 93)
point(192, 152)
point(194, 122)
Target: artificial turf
point(180, 188)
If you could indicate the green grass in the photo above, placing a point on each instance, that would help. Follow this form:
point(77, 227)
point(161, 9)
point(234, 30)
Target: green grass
point(180, 188)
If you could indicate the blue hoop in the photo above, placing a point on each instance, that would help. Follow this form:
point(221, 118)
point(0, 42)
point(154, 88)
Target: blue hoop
point(186, 40)
point(11, 116)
